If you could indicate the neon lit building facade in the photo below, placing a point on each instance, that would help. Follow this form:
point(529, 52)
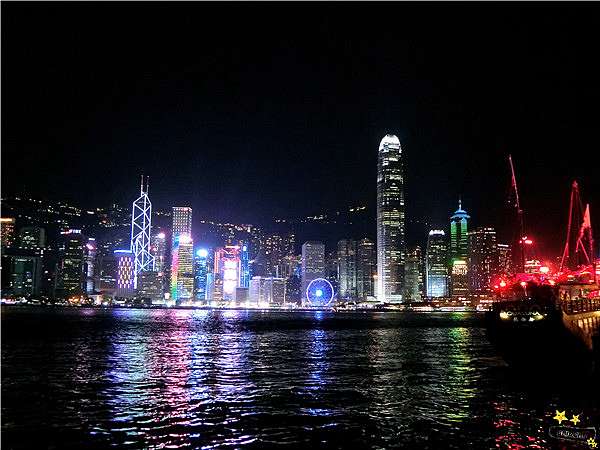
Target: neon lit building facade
point(182, 254)
point(390, 221)
point(182, 276)
point(227, 271)
point(201, 265)
point(125, 273)
point(436, 265)
point(90, 265)
point(244, 265)
point(459, 239)
point(141, 224)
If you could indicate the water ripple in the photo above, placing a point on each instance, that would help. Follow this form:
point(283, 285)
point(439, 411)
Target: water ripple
point(209, 379)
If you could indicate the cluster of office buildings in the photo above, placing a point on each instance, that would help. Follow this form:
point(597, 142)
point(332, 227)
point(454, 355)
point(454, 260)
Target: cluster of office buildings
point(166, 266)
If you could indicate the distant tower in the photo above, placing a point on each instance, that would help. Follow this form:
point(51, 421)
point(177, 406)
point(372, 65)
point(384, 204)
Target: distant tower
point(141, 224)
point(390, 221)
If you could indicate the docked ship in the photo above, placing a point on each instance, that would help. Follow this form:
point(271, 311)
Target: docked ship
point(542, 316)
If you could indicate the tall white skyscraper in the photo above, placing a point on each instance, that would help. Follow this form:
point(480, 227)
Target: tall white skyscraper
point(390, 221)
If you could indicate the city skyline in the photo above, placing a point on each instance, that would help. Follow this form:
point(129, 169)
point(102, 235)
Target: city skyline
point(300, 224)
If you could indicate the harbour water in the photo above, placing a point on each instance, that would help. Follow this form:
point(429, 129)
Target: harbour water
point(76, 378)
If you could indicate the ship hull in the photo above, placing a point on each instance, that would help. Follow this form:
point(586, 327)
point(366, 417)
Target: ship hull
point(542, 343)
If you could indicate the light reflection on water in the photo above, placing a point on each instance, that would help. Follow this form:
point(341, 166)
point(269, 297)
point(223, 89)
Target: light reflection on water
point(198, 378)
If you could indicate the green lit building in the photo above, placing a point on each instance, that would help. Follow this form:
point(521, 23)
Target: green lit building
point(459, 252)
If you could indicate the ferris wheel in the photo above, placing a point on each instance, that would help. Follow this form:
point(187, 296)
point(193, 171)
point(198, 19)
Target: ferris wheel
point(319, 292)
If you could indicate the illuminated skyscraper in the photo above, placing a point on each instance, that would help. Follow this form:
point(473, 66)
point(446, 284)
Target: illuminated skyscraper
point(313, 263)
point(72, 275)
point(141, 224)
point(459, 253)
point(227, 269)
point(182, 220)
point(159, 250)
point(459, 240)
point(161, 264)
point(346, 268)
point(483, 259)
point(125, 273)
point(182, 254)
point(436, 264)
point(413, 277)
point(244, 281)
point(182, 270)
point(390, 221)
point(366, 268)
point(200, 273)
point(89, 265)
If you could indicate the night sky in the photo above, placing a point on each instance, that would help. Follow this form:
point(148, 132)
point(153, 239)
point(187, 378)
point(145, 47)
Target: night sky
point(254, 111)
